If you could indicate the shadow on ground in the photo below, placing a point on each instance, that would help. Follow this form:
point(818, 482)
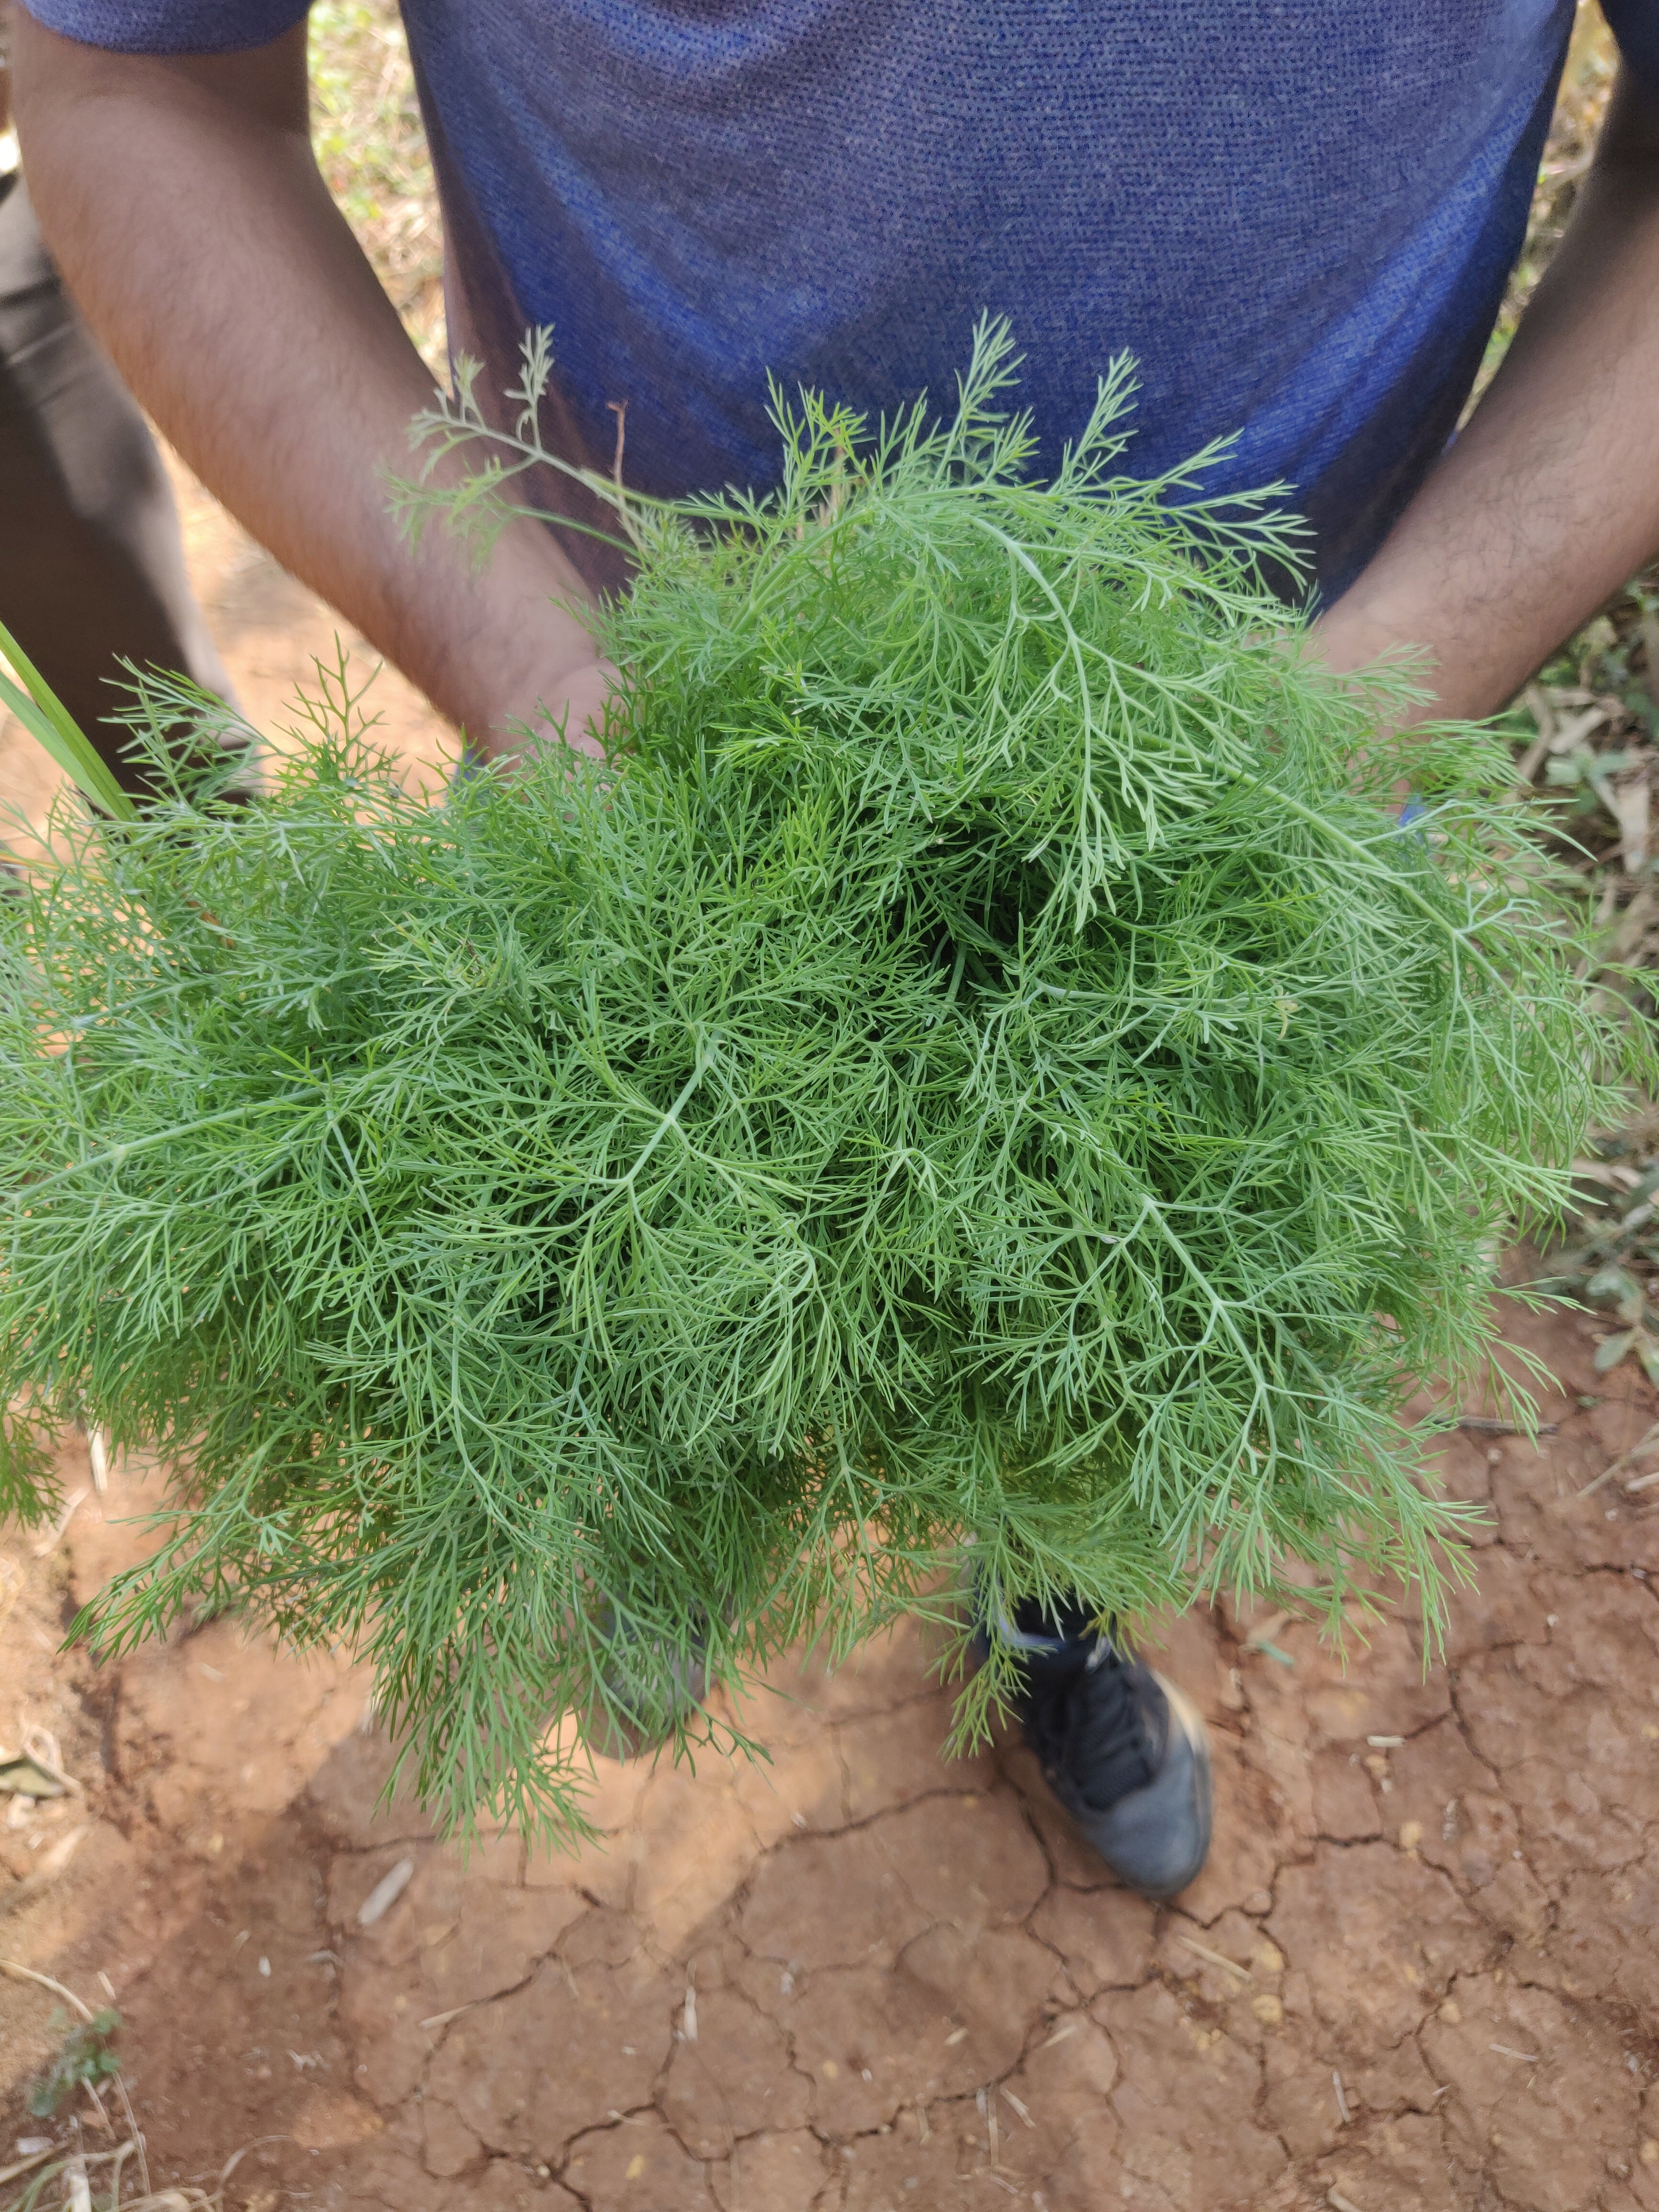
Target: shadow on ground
point(1419, 1971)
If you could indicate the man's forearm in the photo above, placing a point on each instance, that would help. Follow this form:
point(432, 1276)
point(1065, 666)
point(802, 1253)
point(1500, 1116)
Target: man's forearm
point(182, 201)
point(1549, 499)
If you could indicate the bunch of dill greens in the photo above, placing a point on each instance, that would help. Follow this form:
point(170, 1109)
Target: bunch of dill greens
point(986, 1066)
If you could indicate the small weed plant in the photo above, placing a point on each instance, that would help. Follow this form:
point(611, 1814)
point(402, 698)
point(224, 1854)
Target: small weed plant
point(982, 1071)
point(86, 2058)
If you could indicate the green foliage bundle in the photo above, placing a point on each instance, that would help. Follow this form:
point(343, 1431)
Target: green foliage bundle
point(984, 1065)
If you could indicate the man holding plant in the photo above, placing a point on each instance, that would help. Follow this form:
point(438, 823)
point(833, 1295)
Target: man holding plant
point(1299, 220)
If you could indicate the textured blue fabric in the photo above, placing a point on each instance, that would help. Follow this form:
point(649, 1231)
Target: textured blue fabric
point(172, 27)
point(1298, 215)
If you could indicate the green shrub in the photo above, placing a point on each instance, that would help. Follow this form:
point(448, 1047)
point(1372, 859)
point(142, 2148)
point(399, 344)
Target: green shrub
point(991, 1069)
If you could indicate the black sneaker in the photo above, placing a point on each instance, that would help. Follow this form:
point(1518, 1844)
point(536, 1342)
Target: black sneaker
point(648, 1690)
point(1125, 1751)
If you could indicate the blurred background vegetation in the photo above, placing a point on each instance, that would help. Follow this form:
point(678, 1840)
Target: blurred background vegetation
point(366, 123)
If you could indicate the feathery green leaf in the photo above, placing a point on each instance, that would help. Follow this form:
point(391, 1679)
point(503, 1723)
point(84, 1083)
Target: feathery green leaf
point(984, 1067)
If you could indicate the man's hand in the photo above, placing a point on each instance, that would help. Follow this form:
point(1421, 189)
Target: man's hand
point(574, 702)
point(183, 204)
point(1549, 499)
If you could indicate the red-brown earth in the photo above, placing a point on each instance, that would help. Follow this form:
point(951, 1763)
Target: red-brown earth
point(861, 1977)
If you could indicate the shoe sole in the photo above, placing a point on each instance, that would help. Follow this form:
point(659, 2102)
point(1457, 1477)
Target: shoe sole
point(1185, 1715)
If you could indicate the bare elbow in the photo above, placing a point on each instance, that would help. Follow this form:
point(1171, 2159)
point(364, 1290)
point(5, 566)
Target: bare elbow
point(49, 73)
point(59, 83)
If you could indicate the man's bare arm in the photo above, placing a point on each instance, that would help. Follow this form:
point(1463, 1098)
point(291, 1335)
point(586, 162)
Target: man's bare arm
point(183, 204)
point(1549, 499)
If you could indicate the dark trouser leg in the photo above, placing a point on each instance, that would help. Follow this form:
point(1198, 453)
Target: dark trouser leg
point(92, 566)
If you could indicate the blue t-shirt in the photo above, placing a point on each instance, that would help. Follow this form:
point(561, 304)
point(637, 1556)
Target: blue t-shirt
point(1299, 216)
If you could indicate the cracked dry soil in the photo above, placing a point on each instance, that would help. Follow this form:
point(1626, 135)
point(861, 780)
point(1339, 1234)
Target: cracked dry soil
point(1419, 1971)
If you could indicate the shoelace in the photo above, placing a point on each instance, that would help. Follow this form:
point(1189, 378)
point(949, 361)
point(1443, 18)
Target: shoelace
point(1089, 1722)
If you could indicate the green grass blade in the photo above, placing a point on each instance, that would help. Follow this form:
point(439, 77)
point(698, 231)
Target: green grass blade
point(46, 719)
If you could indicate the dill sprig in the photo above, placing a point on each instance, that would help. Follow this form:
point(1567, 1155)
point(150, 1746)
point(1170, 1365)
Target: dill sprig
point(983, 1066)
